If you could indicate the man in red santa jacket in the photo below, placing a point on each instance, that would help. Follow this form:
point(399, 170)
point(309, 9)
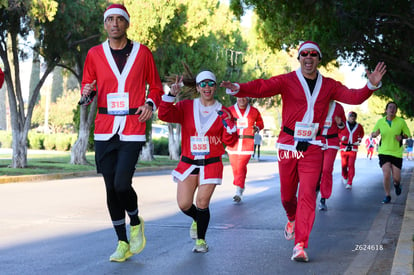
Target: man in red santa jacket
point(351, 137)
point(370, 143)
point(249, 121)
point(118, 72)
point(335, 121)
point(306, 95)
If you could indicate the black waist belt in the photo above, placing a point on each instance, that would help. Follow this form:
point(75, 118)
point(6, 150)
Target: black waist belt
point(104, 111)
point(246, 136)
point(200, 162)
point(292, 133)
point(288, 131)
point(347, 144)
point(301, 145)
point(330, 136)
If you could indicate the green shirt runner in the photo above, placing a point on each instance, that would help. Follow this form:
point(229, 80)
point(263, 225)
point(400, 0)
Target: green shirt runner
point(388, 144)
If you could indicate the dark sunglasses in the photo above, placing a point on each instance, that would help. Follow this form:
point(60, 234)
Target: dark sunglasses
point(209, 83)
point(306, 53)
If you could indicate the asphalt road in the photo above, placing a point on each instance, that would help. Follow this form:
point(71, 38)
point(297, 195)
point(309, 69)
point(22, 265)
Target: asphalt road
point(62, 227)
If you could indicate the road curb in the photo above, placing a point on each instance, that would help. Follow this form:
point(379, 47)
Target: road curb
point(403, 257)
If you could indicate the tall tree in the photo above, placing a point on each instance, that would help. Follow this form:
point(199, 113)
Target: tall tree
point(80, 25)
point(57, 84)
point(35, 73)
point(15, 25)
point(363, 32)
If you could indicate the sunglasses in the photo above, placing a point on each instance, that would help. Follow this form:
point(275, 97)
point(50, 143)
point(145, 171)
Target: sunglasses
point(311, 53)
point(209, 83)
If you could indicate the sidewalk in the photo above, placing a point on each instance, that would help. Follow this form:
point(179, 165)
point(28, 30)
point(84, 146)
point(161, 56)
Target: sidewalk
point(403, 257)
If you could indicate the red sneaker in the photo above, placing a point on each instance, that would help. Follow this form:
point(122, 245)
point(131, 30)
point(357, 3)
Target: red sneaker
point(299, 253)
point(290, 230)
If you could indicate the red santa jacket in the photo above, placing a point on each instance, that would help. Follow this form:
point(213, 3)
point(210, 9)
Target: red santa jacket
point(350, 139)
point(331, 130)
point(1, 78)
point(299, 105)
point(138, 71)
point(246, 120)
point(187, 113)
point(370, 142)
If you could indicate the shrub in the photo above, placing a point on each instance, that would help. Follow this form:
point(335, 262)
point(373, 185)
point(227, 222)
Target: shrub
point(161, 146)
point(5, 139)
point(62, 142)
point(50, 142)
point(35, 140)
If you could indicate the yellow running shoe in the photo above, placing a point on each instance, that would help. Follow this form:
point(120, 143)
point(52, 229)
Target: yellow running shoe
point(121, 253)
point(137, 240)
point(193, 230)
point(200, 246)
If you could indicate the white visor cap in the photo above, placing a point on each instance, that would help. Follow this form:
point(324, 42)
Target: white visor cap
point(205, 75)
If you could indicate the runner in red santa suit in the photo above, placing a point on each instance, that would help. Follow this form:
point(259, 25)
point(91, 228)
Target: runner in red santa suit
point(1, 78)
point(118, 71)
point(351, 137)
point(370, 143)
point(333, 124)
point(306, 95)
point(206, 126)
point(249, 121)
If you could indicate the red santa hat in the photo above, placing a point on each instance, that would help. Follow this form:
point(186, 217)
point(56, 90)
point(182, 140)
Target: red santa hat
point(116, 9)
point(310, 45)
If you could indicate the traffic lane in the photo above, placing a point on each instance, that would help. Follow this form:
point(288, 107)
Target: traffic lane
point(55, 225)
point(245, 238)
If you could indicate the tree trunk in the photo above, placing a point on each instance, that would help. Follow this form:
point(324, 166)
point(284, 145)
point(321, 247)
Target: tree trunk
point(147, 153)
point(78, 152)
point(19, 145)
point(3, 109)
point(174, 142)
point(20, 121)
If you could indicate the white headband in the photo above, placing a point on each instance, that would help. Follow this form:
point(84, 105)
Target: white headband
point(310, 46)
point(113, 11)
point(205, 75)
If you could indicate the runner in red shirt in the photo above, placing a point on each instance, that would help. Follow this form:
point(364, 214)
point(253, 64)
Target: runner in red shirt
point(351, 137)
point(206, 127)
point(249, 121)
point(306, 95)
point(118, 72)
point(333, 124)
point(370, 143)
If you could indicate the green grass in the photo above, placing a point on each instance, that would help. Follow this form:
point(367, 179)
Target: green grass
point(50, 163)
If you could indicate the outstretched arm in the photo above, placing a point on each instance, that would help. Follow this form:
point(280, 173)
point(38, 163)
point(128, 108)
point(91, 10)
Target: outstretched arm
point(376, 76)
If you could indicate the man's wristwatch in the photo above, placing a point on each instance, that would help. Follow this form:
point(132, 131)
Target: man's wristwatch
point(150, 104)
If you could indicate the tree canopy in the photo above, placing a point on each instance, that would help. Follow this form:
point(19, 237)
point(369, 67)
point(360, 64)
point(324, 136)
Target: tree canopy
point(361, 32)
point(202, 34)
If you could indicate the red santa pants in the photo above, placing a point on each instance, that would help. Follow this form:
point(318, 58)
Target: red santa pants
point(348, 165)
point(370, 152)
point(303, 167)
point(239, 166)
point(327, 169)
